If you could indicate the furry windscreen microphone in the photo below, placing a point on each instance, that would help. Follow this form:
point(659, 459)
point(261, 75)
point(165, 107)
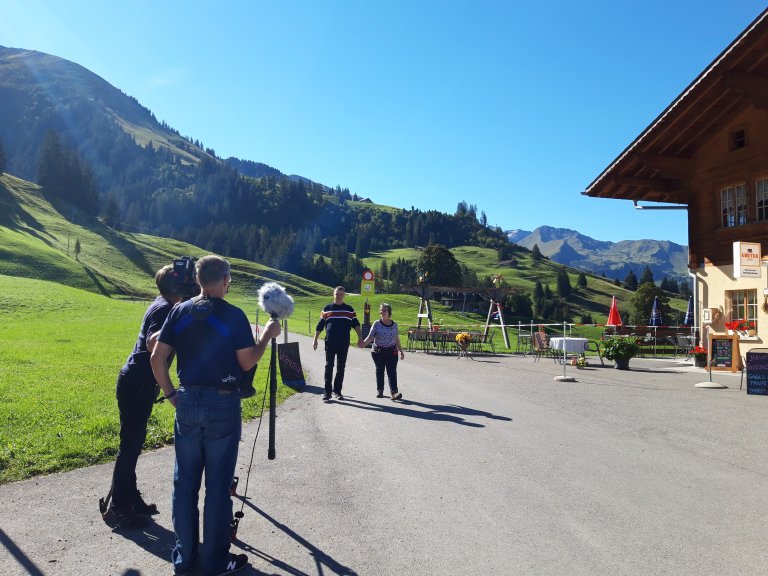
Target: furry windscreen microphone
point(274, 300)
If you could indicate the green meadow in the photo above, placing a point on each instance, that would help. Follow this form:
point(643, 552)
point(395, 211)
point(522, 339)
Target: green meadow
point(61, 353)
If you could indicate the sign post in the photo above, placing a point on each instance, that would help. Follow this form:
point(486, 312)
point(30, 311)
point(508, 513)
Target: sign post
point(723, 354)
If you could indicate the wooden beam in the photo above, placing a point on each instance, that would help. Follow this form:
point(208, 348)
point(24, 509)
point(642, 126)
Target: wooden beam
point(749, 85)
point(669, 166)
point(663, 185)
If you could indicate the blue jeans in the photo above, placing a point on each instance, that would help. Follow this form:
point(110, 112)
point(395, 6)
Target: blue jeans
point(206, 435)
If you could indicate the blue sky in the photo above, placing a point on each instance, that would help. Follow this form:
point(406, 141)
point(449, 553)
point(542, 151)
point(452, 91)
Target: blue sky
point(512, 106)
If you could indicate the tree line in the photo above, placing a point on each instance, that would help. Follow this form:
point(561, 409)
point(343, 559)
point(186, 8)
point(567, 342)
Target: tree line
point(294, 225)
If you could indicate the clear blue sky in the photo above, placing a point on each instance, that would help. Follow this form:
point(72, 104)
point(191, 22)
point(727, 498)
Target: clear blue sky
point(512, 106)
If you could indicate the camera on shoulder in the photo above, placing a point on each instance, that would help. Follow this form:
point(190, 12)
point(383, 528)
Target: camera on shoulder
point(184, 277)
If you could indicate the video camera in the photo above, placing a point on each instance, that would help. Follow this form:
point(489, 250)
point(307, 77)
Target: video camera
point(184, 277)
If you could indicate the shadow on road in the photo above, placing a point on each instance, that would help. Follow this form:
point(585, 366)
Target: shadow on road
point(323, 562)
point(19, 555)
point(439, 412)
point(434, 412)
point(154, 538)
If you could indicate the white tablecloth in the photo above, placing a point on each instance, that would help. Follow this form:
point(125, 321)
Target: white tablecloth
point(573, 345)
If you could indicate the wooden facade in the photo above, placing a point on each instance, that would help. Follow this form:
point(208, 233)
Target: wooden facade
point(707, 152)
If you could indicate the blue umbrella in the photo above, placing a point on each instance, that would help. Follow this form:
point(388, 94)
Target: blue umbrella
point(655, 313)
point(688, 320)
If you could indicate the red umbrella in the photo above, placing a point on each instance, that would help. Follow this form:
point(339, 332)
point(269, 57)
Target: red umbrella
point(614, 319)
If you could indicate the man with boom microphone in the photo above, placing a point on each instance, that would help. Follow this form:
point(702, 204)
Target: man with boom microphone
point(214, 344)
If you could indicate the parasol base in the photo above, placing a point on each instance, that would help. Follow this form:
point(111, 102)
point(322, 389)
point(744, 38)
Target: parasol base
point(565, 379)
point(710, 384)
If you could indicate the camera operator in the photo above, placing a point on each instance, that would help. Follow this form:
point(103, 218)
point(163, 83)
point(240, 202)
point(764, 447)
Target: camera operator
point(214, 344)
point(136, 392)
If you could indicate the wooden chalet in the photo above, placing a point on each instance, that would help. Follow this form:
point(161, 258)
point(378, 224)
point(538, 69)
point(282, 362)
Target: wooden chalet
point(708, 153)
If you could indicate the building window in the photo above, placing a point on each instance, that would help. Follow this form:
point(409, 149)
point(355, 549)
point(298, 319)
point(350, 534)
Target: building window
point(743, 305)
point(733, 205)
point(762, 200)
point(738, 139)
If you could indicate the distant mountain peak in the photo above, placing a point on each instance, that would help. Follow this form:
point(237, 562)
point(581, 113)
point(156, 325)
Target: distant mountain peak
point(612, 259)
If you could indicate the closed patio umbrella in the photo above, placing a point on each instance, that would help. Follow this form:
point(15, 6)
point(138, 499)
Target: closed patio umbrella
point(614, 318)
point(656, 319)
point(688, 320)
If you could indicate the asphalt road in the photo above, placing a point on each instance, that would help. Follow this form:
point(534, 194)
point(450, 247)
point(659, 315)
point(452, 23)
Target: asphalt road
point(488, 466)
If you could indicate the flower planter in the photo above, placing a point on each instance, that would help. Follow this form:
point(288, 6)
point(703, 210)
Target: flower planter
point(700, 361)
point(621, 364)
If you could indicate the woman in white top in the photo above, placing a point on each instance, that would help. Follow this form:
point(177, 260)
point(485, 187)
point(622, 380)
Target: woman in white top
point(385, 350)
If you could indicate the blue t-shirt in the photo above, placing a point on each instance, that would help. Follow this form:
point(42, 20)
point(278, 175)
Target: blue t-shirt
point(205, 333)
point(137, 365)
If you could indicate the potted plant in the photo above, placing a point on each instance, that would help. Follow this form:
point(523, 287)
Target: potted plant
point(699, 357)
point(621, 349)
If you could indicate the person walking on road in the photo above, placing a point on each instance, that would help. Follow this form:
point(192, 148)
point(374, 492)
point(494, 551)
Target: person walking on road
point(214, 345)
point(385, 349)
point(337, 319)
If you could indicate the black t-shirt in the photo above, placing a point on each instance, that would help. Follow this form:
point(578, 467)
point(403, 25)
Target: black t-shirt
point(138, 366)
point(337, 320)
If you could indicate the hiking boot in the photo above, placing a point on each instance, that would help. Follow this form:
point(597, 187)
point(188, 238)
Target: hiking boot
point(326, 397)
point(124, 518)
point(236, 562)
point(140, 507)
point(338, 396)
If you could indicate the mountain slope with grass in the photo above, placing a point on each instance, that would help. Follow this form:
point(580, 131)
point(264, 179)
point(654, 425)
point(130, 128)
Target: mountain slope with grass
point(40, 237)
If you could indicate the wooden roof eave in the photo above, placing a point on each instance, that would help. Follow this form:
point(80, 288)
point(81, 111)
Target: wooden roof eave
point(683, 103)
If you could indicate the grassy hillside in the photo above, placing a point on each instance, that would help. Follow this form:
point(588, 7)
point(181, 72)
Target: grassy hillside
point(38, 237)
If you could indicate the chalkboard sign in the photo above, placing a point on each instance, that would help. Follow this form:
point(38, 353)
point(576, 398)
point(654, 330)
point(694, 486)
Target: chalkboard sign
point(757, 371)
point(290, 364)
point(724, 353)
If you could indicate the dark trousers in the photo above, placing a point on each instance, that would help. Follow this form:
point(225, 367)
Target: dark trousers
point(386, 359)
point(134, 401)
point(339, 356)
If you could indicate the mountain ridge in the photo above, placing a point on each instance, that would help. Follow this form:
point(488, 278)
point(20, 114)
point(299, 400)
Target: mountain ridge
point(602, 257)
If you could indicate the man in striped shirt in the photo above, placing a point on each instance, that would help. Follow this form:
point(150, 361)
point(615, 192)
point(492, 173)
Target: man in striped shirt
point(337, 319)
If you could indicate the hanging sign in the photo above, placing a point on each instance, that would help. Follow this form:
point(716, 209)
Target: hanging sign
point(746, 260)
point(367, 285)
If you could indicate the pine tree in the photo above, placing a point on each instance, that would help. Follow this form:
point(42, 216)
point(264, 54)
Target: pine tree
point(536, 255)
point(630, 282)
point(77, 249)
point(647, 276)
point(564, 288)
point(582, 283)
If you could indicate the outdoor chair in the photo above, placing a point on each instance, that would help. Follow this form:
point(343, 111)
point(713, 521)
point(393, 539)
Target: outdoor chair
point(541, 346)
point(683, 345)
